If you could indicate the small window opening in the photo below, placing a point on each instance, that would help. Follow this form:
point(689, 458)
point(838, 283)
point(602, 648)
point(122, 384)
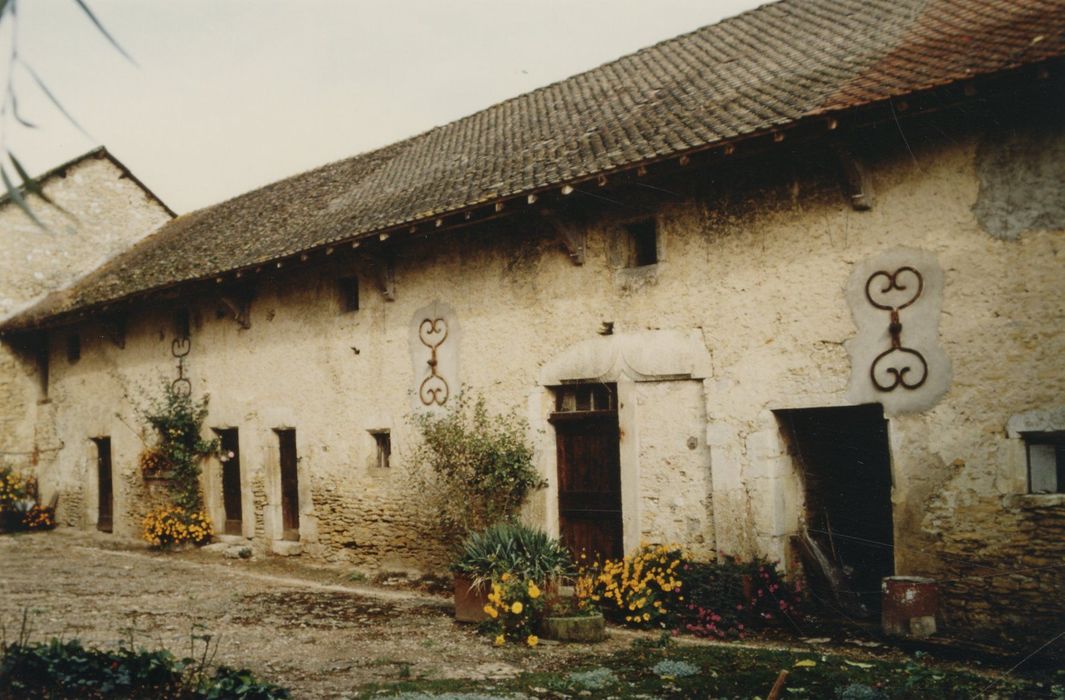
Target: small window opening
point(1046, 462)
point(43, 367)
point(642, 243)
point(182, 323)
point(73, 348)
point(383, 457)
point(348, 290)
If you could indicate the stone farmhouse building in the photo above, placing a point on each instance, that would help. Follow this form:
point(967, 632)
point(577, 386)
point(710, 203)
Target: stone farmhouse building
point(104, 210)
point(798, 276)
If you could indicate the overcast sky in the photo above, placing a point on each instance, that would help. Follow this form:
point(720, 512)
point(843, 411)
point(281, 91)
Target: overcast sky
point(228, 95)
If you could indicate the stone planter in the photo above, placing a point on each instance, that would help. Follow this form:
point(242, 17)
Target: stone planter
point(583, 628)
point(470, 600)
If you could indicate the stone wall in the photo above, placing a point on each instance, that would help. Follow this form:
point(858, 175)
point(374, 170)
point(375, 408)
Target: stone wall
point(1002, 567)
point(744, 314)
point(106, 212)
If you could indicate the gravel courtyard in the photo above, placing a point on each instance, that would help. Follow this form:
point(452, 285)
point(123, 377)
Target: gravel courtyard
point(309, 629)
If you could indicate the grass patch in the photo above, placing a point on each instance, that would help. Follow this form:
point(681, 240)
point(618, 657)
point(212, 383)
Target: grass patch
point(736, 672)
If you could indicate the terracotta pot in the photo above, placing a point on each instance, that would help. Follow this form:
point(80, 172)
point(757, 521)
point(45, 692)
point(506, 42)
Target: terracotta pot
point(470, 600)
point(585, 628)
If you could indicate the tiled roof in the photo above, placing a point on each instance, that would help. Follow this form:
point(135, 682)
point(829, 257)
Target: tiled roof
point(761, 70)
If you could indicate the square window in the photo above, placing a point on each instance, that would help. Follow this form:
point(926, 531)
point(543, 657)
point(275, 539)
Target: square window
point(348, 292)
point(382, 459)
point(642, 243)
point(1046, 462)
point(73, 348)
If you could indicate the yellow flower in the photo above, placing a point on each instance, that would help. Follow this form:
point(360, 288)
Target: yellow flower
point(500, 640)
point(492, 612)
point(532, 640)
point(517, 607)
point(504, 578)
point(534, 591)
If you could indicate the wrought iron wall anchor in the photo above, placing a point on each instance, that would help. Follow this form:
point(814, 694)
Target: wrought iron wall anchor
point(898, 360)
point(180, 349)
point(434, 388)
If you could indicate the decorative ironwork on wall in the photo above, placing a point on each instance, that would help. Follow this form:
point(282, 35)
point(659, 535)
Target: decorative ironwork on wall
point(898, 361)
point(180, 350)
point(432, 332)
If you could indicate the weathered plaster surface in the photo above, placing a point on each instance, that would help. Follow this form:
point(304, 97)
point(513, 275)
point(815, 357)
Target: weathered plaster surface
point(107, 212)
point(755, 279)
point(1021, 171)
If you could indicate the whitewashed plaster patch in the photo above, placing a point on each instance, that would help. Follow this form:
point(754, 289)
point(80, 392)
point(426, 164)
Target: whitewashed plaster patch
point(434, 351)
point(895, 299)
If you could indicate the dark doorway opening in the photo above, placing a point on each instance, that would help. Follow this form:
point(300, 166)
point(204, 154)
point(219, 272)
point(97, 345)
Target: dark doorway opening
point(290, 498)
point(105, 502)
point(231, 500)
point(589, 469)
point(845, 462)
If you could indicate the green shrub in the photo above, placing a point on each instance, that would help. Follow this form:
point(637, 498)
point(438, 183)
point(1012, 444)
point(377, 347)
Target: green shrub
point(474, 469)
point(179, 447)
point(67, 669)
point(512, 548)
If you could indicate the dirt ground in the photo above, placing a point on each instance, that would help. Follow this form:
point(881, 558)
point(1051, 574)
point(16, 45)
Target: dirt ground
point(307, 628)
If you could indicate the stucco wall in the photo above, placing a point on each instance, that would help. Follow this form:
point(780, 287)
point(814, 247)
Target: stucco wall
point(106, 213)
point(754, 265)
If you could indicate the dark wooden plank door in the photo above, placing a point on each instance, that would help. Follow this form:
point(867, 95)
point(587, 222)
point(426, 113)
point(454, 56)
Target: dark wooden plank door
point(290, 499)
point(589, 482)
point(231, 500)
point(105, 486)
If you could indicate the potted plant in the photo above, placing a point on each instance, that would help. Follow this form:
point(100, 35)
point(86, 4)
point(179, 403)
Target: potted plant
point(505, 548)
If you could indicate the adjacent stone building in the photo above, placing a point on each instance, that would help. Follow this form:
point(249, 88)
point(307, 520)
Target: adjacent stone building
point(796, 277)
point(100, 209)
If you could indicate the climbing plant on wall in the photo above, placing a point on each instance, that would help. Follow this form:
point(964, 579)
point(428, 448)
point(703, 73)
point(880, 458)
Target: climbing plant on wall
point(177, 421)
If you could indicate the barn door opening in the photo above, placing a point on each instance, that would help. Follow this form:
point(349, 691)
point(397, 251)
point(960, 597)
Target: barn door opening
point(290, 499)
point(845, 462)
point(105, 502)
point(589, 469)
point(231, 501)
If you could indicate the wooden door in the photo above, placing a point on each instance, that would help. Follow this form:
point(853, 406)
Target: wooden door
point(589, 475)
point(290, 499)
point(105, 489)
point(231, 499)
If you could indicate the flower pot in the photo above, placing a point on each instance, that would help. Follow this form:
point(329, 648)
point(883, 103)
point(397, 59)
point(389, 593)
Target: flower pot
point(583, 628)
point(470, 600)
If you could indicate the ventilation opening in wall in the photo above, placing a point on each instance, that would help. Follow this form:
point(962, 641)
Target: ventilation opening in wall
point(182, 323)
point(642, 242)
point(843, 457)
point(1046, 462)
point(73, 348)
point(383, 449)
point(348, 293)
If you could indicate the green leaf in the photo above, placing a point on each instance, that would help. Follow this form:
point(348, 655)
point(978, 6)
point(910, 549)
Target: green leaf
point(103, 31)
point(17, 198)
